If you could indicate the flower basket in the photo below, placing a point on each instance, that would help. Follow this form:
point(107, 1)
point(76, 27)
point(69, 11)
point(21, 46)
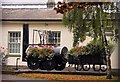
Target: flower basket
point(39, 52)
point(3, 56)
point(37, 55)
point(89, 54)
point(79, 51)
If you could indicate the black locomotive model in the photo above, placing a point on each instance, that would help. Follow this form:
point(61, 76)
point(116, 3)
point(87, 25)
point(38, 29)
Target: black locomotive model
point(46, 57)
point(51, 56)
point(83, 62)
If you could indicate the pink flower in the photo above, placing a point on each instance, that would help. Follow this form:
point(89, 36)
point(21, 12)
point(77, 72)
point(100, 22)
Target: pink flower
point(6, 48)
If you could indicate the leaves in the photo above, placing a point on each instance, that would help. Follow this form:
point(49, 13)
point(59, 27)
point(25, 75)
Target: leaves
point(40, 52)
point(80, 21)
point(75, 22)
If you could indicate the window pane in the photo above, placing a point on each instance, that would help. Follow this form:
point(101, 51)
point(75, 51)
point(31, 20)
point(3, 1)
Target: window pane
point(14, 42)
point(58, 40)
point(59, 34)
point(17, 34)
point(54, 37)
point(10, 34)
point(55, 34)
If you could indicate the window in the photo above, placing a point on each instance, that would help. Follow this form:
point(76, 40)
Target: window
point(54, 37)
point(14, 40)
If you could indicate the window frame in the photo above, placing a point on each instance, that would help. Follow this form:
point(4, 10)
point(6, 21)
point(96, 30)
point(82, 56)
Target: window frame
point(9, 42)
point(58, 38)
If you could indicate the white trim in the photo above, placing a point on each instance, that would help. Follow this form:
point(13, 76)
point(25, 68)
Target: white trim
point(14, 53)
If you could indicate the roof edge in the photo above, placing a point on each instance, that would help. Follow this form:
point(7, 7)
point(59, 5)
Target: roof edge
point(33, 20)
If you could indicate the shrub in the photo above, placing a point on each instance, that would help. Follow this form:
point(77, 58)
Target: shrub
point(40, 52)
point(79, 50)
point(92, 48)
point(3, 55)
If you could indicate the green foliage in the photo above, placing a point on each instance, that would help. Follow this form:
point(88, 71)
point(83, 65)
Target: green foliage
point(111, 47)
point(73, 50)
point(79, 51)
point(80, 21)
point(8, 69)
point(74, 20)
point(95, 47)
point(40, 52)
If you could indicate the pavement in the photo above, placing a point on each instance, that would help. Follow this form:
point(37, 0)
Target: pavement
point(7, 75)
point(67, 70)
point(13, 78)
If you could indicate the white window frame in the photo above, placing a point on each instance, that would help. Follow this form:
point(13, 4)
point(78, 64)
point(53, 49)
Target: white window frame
point(18, 39)
point(58, 38)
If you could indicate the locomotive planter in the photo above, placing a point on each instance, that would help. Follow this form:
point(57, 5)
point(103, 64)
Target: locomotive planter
point(46, 57)
point(84, 56)
point(43, 55)
point(83, 62)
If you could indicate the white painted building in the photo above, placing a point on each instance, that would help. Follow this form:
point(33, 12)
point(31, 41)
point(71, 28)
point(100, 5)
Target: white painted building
point(11, 32)
point(37, 19)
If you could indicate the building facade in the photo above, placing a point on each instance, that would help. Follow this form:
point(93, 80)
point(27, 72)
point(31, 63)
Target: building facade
point(11, 32)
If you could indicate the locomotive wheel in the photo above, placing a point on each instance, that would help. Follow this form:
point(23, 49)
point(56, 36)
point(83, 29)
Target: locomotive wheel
point(96, 67)
point(33, 63)
point(86, 67)
point(41, 66)
point(103, 68)
point(78, 67)
point(60, 67)
point(48, 64)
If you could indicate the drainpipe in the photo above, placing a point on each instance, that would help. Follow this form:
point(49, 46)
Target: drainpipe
point(17, 63)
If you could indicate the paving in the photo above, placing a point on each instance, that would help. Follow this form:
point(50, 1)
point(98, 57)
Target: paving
point(67, 70)
point(13, 78)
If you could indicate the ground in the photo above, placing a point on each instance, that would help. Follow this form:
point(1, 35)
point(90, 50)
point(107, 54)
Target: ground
point(68, 74)
point(64, 76)
point(37, 77)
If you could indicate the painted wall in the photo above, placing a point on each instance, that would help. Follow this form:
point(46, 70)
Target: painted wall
point(0, 33)
point(114, 58)
point(66, 35)
point(66, 38)
point(10, 26)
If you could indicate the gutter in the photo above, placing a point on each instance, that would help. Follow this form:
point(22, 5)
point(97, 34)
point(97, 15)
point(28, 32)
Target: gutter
point(31, 20)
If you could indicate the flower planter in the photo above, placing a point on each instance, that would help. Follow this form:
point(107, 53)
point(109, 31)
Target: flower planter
point(82, 60)
point(47, 58)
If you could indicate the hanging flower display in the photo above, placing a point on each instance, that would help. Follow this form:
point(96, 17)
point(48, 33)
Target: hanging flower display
point(40, 52)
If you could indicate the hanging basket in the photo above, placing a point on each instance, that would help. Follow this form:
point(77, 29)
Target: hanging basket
point(39, 52)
